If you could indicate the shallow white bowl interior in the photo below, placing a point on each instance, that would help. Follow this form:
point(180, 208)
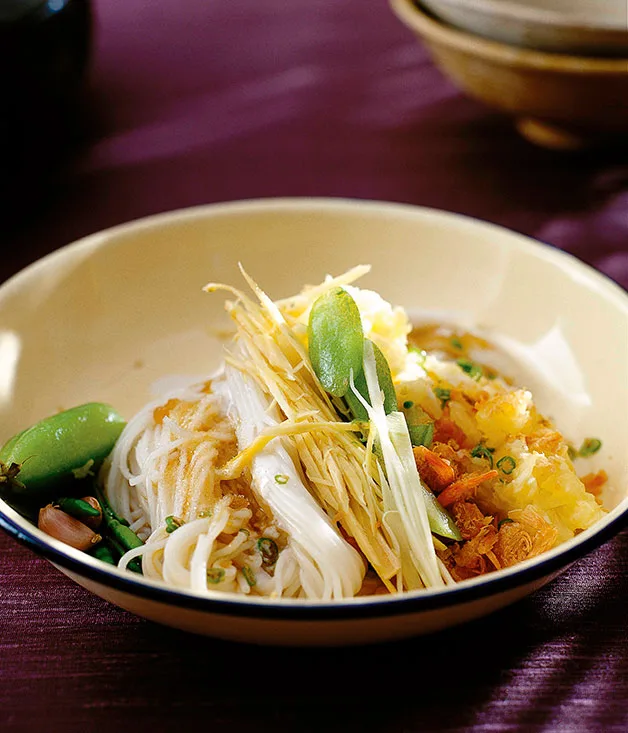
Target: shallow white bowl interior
point(107, 318)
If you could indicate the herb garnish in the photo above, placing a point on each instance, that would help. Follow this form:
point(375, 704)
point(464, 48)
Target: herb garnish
point(444, 395)
point(215, 575)
point(173, 523)
point(481, 451)
point(507, 464)
point(268, 550)
point(589, 447)
point(249, 576)
point(473, 370)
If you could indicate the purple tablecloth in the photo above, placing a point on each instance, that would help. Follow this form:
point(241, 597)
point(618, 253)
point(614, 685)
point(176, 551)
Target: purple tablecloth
point(194, 102)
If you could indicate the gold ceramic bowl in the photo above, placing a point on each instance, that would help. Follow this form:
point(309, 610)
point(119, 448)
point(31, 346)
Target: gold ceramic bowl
point(558, 100)
point(105, 318)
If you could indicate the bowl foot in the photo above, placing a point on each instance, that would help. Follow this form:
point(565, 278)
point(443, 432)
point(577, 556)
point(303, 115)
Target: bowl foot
point(548, 135)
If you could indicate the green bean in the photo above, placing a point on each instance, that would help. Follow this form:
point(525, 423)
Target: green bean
point(117, 531)
point(335, 340)
point(124, 535)
point(106, 507)
point(48, 452)
point(102, 552)
point(77, 508)
point(384, 378)
point(117, 549)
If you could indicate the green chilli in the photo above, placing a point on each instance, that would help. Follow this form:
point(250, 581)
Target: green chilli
point(49, 451)
point(440, 521)
point(335, 340)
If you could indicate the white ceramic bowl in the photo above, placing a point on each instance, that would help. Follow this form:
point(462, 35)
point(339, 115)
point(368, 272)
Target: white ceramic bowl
point(564, 26)
point(104, 318)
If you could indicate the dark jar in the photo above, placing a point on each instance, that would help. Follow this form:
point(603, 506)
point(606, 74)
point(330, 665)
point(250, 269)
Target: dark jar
point(44, 54)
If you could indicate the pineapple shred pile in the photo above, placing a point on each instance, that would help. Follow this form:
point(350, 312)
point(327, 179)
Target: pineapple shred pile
point(512, 487)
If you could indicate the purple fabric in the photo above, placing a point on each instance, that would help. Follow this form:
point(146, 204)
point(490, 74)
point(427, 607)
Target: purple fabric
point(193, 102)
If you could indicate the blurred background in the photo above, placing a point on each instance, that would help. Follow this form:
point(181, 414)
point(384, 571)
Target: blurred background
point(117, 109)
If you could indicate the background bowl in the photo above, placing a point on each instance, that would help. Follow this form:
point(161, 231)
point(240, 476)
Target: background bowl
point(566, 26)
point(105, 318)
point(559, 101)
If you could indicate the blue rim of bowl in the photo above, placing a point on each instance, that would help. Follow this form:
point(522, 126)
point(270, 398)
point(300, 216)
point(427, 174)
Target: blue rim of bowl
point(405, 603)
point(401, 604)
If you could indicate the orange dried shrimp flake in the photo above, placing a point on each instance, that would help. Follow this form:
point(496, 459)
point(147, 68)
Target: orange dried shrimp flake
point(545, 441)
point(471, 556)
point(465, 487)
point(513, 544)
point(469, 519)
point(435, 471)
point(446, 431)
point(528, 535)
point(593, 482)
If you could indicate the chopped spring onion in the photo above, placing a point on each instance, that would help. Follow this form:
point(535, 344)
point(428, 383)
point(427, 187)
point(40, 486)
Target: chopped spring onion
point(268, 550)
point(481, 451)
point(444, 395)
point(215, 575)
point(505, 520)
point(456, 342)
point(473, 370)
point(589, 447)
point(173, 523)
point(281, 478)
point(507, 464)
point(408, 404)
point(249, 575)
